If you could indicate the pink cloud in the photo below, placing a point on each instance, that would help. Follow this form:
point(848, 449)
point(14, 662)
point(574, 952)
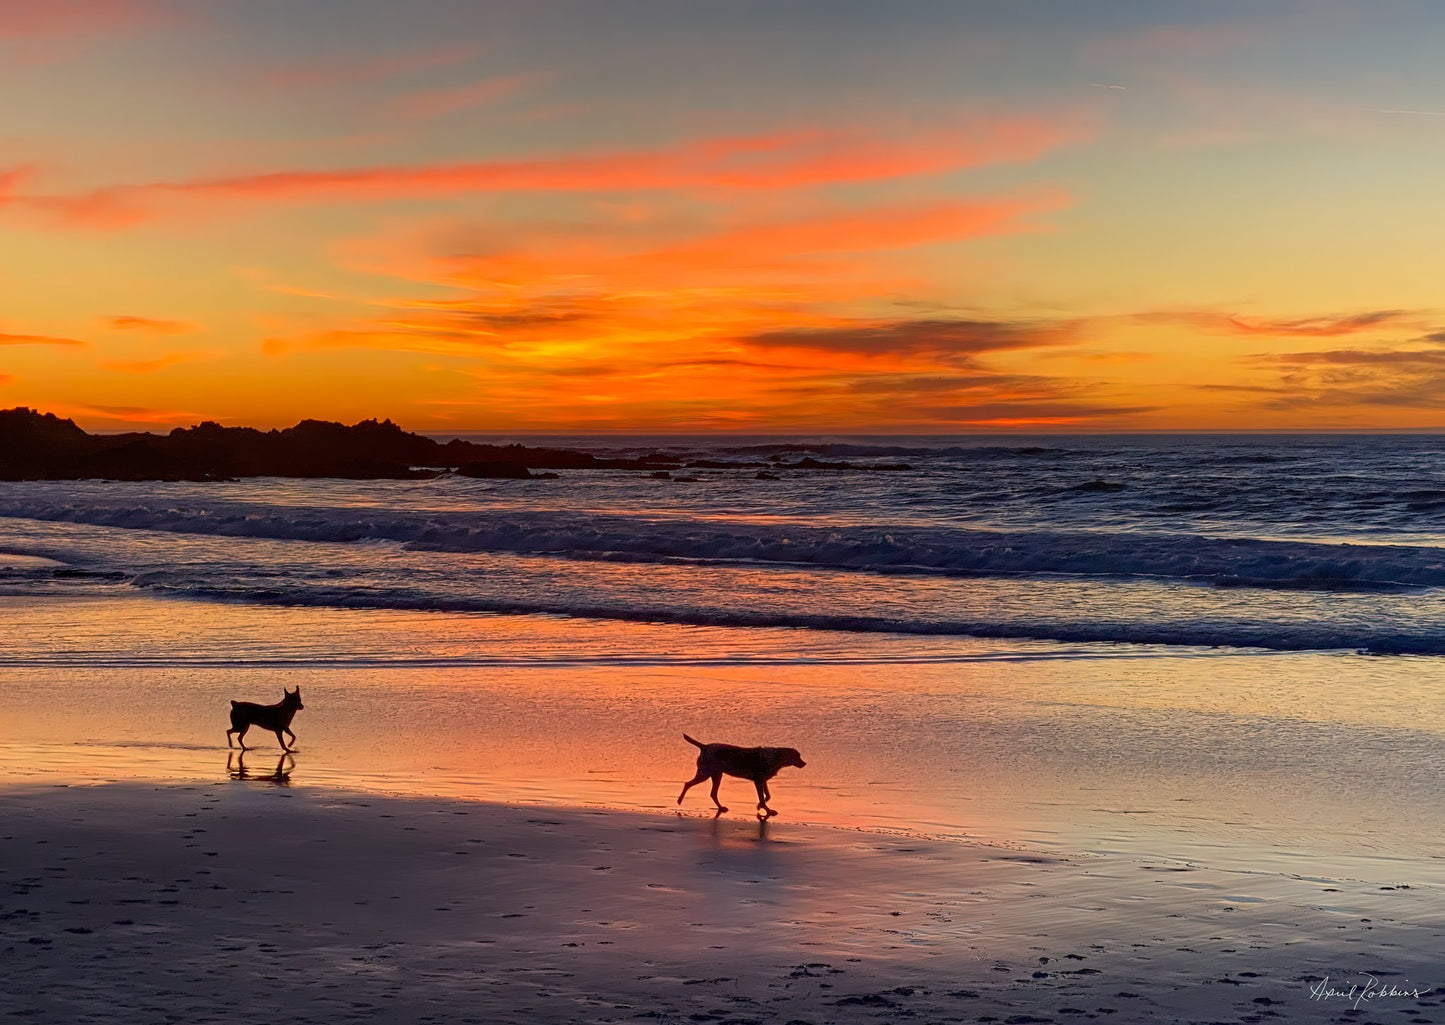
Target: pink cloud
point(436, 103)
point(11, 180)
point(351, 71)
point(1174, 40)
point(788, 160)
point(20, 19)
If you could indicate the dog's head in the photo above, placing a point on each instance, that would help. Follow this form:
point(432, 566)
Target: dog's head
point(790, 756)
point(292, 698)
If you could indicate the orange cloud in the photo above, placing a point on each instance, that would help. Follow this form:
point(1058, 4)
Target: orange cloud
point(871, 230)
point(760, 162)
point(130, 415)
point(150, 366)
point(791, 261)
point(21, 339)
point(442, 102)
point(150, 325)
point(11, 180)
point(622, 321)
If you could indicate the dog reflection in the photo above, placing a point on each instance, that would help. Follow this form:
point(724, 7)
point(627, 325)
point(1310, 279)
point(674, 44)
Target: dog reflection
point(733, 836)
point(280, 776)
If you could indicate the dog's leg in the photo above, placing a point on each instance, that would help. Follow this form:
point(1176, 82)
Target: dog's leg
point(692, 782)
point(281, 740)
point(763, 796)
point(241, 736)
point(291, 735)
point(717, 782)
point(228, 738)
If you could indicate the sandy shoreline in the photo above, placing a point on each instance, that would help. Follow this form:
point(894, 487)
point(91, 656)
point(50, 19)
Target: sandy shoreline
point(239, 902)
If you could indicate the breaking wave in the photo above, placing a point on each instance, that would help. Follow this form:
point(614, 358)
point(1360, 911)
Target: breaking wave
point(1238, 562)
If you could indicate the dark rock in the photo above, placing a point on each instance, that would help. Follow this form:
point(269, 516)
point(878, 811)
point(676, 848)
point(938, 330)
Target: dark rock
point(493, 470)
point(41, 446)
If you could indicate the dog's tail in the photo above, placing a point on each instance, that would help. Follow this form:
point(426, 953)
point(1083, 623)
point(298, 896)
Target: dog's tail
point(696, 743)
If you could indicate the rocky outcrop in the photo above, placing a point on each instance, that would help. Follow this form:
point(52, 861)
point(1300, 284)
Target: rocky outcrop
point(41, 446)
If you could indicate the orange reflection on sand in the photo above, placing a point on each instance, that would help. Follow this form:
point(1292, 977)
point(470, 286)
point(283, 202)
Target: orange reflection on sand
point(1145, 753)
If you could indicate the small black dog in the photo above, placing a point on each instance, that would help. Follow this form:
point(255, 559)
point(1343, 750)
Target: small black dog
point(758, 764)
point(276, 718)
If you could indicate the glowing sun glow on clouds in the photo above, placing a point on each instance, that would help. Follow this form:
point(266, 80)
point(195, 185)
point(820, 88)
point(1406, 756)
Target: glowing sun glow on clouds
point(902, 217)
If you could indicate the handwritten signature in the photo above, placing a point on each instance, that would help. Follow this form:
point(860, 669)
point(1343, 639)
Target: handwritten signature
point(1362, 992)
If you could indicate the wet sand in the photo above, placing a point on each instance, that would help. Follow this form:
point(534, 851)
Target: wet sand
point(246, 901)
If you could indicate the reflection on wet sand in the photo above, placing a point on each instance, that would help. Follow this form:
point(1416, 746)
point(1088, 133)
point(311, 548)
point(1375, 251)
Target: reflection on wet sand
point(730, 833)
point(281, 775)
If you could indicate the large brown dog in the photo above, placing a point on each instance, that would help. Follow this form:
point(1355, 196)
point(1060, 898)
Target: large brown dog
point(758, 764)
point(276, 718)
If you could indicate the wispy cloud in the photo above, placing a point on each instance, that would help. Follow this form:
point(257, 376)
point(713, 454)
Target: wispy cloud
point(339, 72)
point(149, 325)
point(7, 338)
point(145, 416)
point(939, 338)
point(1317, 326)
point(1410, 374)
point(21, 19)
point(1166, 44)
point(771, 161)
point(151, 366)
point(1049, 413)
point(435, 103)
point(11, 180)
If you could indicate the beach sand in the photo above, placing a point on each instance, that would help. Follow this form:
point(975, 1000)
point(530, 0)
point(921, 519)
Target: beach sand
point(990, 832)
point(248, 901)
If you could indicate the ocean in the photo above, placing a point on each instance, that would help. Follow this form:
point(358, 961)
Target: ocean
point(1221, 647)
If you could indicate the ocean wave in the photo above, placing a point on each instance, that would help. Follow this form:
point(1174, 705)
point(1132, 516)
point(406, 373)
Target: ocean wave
point(244, 662)
point(950, 452)
point(1208, 632)
point(1237, 562)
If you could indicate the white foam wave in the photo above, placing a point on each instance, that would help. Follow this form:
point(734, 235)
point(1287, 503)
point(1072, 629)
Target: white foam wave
point(878, 549)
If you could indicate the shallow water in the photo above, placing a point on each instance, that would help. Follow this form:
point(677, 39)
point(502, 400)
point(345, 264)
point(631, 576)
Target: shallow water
point(1312, 764)
point(1142, 646)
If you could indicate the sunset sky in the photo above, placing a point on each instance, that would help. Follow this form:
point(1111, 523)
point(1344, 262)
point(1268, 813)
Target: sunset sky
point(905, 217)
